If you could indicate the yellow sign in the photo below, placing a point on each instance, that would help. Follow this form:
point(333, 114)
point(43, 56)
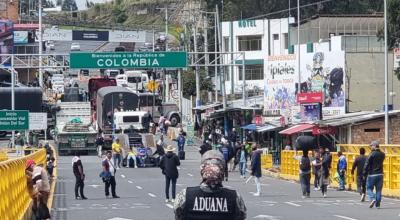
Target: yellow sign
point(152, 85)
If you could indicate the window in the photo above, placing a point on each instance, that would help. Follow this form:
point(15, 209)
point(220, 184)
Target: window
point(226, 44)
point(275, 36)
point(285, 41)
point(127, 119)
point(372, 130)
point(253, 72)
point(250, 43)
point(146, 100)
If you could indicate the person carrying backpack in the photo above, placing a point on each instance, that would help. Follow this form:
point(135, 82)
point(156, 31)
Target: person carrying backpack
point(305, 173)
point(227, 152)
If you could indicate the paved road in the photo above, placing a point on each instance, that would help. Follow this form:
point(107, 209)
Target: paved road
point(142, 196)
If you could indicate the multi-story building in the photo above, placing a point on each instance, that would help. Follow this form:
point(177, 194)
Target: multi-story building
point(257, 39)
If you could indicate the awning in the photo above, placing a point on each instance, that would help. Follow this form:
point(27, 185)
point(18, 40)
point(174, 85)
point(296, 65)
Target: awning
point(251, 127)
point(262, 128)
point(296, 129)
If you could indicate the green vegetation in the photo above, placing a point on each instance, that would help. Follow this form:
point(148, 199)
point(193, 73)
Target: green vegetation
point(189, 83)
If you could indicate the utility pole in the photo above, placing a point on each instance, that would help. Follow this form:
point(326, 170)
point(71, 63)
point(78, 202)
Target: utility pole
point(166, 28)
point(215, 56)
point(222, 75)
point(207, 56)
point(386, 78)
point(198, 100)
point(298, 46)
point(12, 96)
point(40, 44)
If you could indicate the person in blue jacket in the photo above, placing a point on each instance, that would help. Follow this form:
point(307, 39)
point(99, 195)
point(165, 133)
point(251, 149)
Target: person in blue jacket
point(181, 142)
point(341, 169)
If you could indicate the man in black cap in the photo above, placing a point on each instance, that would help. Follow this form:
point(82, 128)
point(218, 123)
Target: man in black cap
point(210, 200)
point(373, 172)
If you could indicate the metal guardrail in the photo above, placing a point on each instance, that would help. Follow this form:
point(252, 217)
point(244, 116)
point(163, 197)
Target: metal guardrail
point(32, 61)
point(391, 167)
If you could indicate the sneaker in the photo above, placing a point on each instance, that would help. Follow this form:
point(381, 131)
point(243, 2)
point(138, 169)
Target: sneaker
point(324, 195)
point(172, 200)
point(316, 188)
point(371, 205)
point(78, 198)
point(362, 198)
point(127, 166)
point(167, 201)
point(257, 194)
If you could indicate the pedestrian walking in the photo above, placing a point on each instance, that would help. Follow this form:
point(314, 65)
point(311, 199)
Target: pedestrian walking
point(341, 170)
point(19, 142)
point(233, 138)
point(359, 164)
point(77, 169)
point(242, 158)
point(39, 189)
point(305, 173)
point(108, 175)
point(210, 200)
point(117, 151)
point(325, 170)
point(227, 152)
point(256, 168)
point(373, 172)
point(50, 164)
point(316, 167)
point(169, 166)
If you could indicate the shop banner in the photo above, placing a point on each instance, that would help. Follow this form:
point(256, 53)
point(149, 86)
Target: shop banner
point(127, 36)
point(90, 35)
point(57, 35)
point(310, 97)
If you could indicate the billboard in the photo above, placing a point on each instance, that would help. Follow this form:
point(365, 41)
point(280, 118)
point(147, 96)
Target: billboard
point(279, 86)
point(321, 72)
point(90, 35)
point(127, 36)
point(20, 37)
point(6, 39)
point(57, 35)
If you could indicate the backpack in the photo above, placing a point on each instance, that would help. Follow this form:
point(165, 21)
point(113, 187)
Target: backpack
point(305, 165)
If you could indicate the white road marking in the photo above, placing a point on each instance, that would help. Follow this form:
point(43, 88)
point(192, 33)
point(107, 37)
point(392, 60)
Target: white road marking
point(269, 217)
point(169, 206)
point(122, 175)
point(94, 186)
point(152, 195)
point(344, 217)
point(293, 204)
point(139, 187)
point(118, 218)
point(189, 174)
point(130, 181)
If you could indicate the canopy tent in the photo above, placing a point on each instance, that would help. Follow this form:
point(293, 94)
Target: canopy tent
point(296, 129)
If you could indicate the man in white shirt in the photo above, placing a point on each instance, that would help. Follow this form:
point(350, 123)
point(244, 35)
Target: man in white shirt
point(109, 171)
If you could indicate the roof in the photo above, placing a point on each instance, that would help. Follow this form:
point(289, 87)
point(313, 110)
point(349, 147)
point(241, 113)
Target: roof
point(296, 129)
point(204, 107)
point(353, 118)
point(111, 89)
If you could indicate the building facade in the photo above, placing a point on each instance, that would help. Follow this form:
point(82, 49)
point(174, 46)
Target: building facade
point(256, 39)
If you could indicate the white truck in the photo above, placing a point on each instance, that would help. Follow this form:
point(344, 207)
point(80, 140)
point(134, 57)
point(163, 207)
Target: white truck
point(74, 130)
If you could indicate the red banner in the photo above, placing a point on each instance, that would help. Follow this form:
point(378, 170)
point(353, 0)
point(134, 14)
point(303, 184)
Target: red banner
point(323, 130)
point(315, 97)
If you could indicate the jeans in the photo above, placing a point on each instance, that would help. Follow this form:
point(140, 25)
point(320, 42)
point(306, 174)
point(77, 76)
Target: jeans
point(117, 157)
point(317, 178)
point(181, 148)
point(168, 180)
point(79, 184)
point(361, 188)
point(111, 183)
point(258, 184)
point(342, 180)
point(377, 182)
point(305, 183)
point(226, 171)
point(242, 168)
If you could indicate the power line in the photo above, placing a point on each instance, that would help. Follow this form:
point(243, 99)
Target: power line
point(286, 10)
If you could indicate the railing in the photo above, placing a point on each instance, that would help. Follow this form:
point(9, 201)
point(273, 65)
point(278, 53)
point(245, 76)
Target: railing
point(391, 166)
point(14, 198)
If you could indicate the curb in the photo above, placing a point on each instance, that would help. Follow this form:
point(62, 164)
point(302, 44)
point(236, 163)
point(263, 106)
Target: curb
point(54, 181)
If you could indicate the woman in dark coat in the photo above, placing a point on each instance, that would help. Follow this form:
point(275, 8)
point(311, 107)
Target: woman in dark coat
point(256, 168)
point(169, 166)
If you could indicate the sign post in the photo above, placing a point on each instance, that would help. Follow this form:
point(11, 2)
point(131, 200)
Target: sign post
point(119, 60)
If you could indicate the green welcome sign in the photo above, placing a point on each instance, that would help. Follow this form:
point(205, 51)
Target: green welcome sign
point(120, 60)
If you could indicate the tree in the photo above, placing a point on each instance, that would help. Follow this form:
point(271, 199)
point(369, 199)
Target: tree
point(189, 83)
point(69, 5)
